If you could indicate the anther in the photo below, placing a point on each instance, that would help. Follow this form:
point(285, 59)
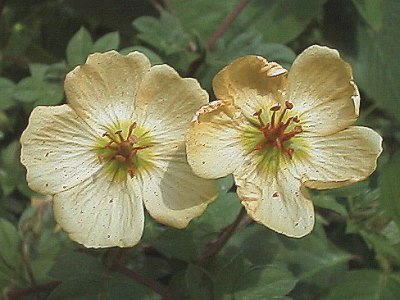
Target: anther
point(275, 108)
point(131, 128)
point(288, 105)
point(258, 115)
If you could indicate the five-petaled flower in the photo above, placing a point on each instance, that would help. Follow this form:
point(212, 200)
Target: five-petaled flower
point(279, 133)
point(116, 145)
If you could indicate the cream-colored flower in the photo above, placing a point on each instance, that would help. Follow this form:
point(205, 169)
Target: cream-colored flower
point(281, 132)
point(117, 145)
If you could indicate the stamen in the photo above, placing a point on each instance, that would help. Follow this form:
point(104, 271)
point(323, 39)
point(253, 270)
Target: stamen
point(119, 133)
point(131, 127)
point(258, 115)
point(121, 150)
point(106, 134)
point(274, 132)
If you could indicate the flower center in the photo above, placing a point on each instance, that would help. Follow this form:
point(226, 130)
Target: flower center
point(276, 132)
point(122, 150)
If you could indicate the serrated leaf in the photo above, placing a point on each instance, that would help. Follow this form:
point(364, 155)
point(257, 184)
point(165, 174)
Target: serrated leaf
point(390, 188)
point(9, 241)
point(153, 57)
point(228, 275)
point(109, 41)
point(220, 213)
point(264, 282)
point(79, 289)
point(12, 172)
point(7, 88)
point(38, 71)
point(199, 284)
point(165, 34)
point(76, 265)
point(371, 11)
point(28, 89)
point(176, 243)
point(278, 21)
point(375, 70)
point(366, 285)
point(79, 47)
point(248, 43)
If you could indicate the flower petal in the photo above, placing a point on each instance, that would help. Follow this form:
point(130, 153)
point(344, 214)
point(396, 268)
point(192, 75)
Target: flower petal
point(100, 213)
point(57, 149)
point(104, 88)
point(250, 83)
point(277, 201)
point(166, 102)
point(172, 194)
point(213, 141)
point(320, 85)
point(340, 159)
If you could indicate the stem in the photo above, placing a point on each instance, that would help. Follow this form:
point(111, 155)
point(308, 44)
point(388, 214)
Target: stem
point(15, 293)
point(217, 35)
point(151, 284)
point(226, 23)
point(223, 237)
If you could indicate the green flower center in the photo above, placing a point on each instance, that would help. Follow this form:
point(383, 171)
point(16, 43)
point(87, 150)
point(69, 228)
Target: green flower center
point(121, 153)
point(276, 132)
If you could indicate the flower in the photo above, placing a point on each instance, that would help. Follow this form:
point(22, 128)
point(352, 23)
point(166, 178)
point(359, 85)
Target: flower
point(279, 133)
point(117, 145)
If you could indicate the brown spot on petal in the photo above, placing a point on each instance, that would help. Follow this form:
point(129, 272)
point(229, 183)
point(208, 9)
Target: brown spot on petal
point(276, 194)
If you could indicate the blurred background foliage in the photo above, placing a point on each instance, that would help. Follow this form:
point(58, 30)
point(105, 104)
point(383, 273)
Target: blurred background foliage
point(354, 250)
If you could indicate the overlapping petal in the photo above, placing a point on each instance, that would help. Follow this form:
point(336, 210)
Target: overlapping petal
point(214, 141)
point(276, 200)
point(172, 193)
point(320, 85)
point(166, 102)
point(57, 149)
point(101, 213)
point(340, 159)
point(250, 83)
point(103, 90)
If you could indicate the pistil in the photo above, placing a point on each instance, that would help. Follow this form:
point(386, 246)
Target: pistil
point(274, 132)
point(122, 150)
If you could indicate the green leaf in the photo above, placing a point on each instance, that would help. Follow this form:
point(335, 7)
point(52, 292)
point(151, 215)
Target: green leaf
point(10, 243)
point(376, 70)
point(248, 43)
point(264, 282)
point(29, 89)
point(76, 265)
point(12, 172)
point(7, 88)
point(371, 11)
point(225, 184)
point(199, 284)
point(153, 57)
point(219, 214)
point(109, 41)
point(390, 189)
point(226, 279)
point(79, 289)
point(79, 47)
point(365, 285)
point(38, 71)
point(315, 259)
point(278, 21)
point(176, 243)
point(165, 34)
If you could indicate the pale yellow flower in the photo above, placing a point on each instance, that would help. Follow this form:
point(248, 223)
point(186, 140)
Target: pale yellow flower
point(117, 145)
point(279, 133)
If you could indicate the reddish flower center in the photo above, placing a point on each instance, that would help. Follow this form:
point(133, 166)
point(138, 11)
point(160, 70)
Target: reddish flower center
point(122, 150)
point(275, 132)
